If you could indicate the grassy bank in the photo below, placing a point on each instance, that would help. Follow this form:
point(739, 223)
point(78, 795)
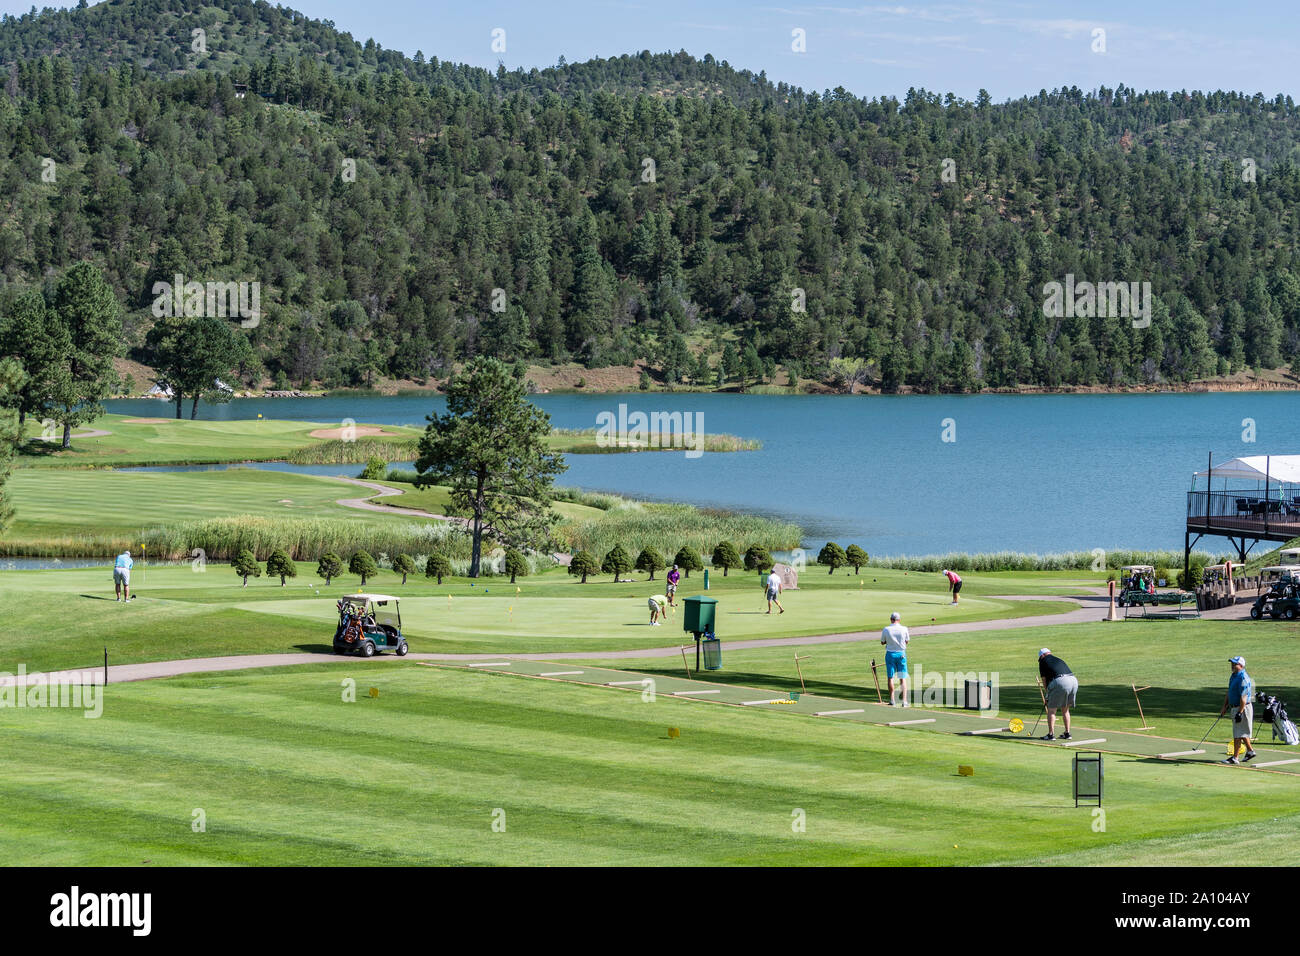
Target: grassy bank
point(133, 441)
point(70, 513)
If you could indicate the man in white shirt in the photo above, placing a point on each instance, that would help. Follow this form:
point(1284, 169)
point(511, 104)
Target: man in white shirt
point(774, 591)
point(895, 637)
point(122, 575)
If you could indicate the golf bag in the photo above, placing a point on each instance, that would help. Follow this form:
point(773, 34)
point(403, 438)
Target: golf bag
point(1274, 711)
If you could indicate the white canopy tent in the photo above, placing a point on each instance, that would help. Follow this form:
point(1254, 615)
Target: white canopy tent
point(1276, 469)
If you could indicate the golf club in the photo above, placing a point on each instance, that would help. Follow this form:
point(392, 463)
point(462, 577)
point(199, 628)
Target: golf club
point(1039, 683)
point(1211, 730)
point(876, 678)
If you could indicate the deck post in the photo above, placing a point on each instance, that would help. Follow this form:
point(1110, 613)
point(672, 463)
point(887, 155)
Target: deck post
point(1266, 463)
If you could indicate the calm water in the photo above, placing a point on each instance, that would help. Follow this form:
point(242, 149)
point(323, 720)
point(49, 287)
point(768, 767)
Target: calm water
point(1026, 472)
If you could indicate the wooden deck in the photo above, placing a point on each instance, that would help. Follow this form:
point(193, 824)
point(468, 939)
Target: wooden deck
point(1239, 514)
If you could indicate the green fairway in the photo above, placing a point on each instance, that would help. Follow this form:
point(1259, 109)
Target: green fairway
point(107, 508)
point(284, 771)
point(435, 499)
point(64, 618)
point(139, 441)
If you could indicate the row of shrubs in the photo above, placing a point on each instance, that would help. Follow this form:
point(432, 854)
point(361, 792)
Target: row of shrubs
point(726, 557)
point(330, 566)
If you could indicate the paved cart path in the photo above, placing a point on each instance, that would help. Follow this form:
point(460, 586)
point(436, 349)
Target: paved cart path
point(383, 491)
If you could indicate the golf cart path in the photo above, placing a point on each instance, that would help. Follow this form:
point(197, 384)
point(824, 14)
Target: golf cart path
point(383, 491)
point(88, 433)
point(1093, 609)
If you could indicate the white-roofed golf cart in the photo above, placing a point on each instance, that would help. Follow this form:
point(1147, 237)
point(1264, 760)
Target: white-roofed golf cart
point(368, 624)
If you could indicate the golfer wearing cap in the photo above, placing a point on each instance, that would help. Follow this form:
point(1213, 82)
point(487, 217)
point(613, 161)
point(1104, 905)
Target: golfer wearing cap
point(673, 577)
point(122, 576)
point(1240, 691)
point(1062, 687)
point(774, 592)
point(895, 637)
point(954, 583)
point(658, 608)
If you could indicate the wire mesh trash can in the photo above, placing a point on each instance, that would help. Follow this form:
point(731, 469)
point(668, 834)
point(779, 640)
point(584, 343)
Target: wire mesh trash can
point(712, 653)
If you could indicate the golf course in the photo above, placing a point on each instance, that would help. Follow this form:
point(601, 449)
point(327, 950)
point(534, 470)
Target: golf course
point(226, 703)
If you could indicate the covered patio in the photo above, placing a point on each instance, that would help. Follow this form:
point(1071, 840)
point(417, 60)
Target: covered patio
point(1250, 499)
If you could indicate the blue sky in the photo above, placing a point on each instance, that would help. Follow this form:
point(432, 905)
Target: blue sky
point(1009, 48)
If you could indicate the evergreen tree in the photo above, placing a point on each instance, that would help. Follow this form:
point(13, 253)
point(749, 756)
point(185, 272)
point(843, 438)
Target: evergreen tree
point(246, 566)
point(726, 556)
point(404, 564)
point(279, 564)
point(583, 563)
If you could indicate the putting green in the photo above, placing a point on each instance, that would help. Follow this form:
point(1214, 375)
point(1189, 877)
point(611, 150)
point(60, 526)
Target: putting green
point(511, 622)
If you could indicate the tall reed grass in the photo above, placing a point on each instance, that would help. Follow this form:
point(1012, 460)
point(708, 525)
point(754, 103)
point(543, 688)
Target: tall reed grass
point(338, 452)
point(583, 441)
point(1017, 561)
point(667, 527)
point(302, 538)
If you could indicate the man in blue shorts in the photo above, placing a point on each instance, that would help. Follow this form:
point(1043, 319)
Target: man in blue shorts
point(895, 638)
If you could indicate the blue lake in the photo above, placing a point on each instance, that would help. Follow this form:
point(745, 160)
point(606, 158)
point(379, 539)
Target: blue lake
point(1034, 473)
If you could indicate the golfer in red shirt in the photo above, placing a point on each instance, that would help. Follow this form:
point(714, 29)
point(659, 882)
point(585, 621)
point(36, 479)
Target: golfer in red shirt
point(954, 583)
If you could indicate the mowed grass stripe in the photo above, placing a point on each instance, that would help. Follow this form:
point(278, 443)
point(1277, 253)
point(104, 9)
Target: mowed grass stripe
point(583, 777)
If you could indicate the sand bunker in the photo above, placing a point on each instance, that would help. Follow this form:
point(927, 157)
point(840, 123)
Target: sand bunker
point(354, 431)
point(148, 421)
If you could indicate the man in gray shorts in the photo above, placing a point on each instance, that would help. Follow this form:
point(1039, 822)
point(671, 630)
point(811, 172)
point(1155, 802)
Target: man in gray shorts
point(1062, 687)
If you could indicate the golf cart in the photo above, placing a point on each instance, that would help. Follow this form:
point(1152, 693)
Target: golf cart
point(1214, 574)
point(1281, 600)
point(1279, 573)
point(369, 623)
point(1137, 585)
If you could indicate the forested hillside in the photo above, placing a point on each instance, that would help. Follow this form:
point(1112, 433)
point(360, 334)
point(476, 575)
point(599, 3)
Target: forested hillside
point(650, 207)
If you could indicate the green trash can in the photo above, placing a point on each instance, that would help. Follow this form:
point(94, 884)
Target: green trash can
point(712, 653)
point(699, 615)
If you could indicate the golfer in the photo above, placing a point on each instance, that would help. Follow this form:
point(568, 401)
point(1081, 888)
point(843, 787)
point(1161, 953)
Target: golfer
point(774, 592)
point(1240, 691)
point(122, 576)
point(895, 637)
point(1062, 688)
point(673, 577)
point(658, 608)
point(954, 583)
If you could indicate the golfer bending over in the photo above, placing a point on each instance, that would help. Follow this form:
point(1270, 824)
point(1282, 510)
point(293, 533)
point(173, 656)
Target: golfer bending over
point(774, 592)
point(122, 576)
point(895, 638)
point(658, 608)
point(1240, 691)
point(1062, 687)
point(954, 583)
